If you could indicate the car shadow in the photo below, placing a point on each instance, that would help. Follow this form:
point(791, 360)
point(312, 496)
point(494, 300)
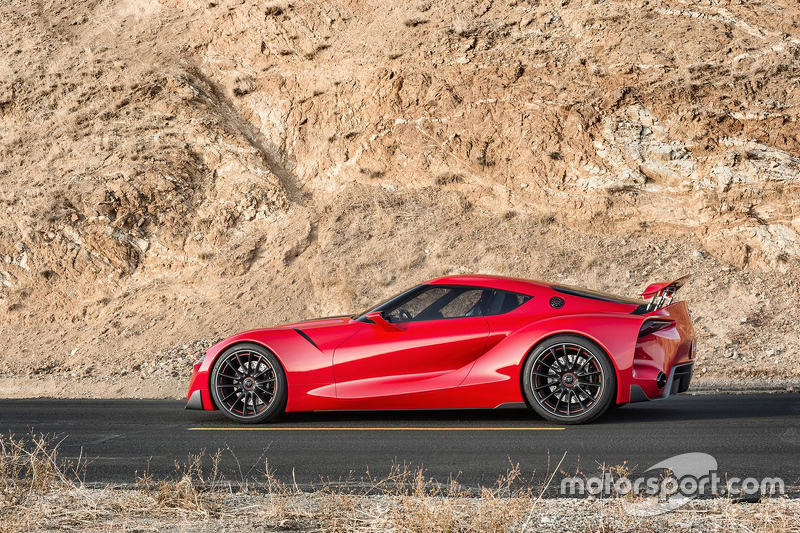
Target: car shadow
point(679, 409)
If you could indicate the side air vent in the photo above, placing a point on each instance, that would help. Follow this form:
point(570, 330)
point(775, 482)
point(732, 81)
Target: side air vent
point(306, 337)
point(651, 326)
point(556, 302)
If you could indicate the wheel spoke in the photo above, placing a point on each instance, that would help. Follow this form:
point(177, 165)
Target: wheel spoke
point(546, 365)
point(236, 401)
point(558, 402)
point(260, 398)
point(229, 365)
point(578, 397)
point(266, 390)
point(229, 395)
point(549, 395)
point(589, 396)
point(545, 386)
point(588, 360)
point(241, 366)
point(572, 361)
point(267, 369)
point(556, 362)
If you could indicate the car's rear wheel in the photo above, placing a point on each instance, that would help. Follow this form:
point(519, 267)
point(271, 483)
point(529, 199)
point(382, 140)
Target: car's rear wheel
point(569, 379)
point(248, 384)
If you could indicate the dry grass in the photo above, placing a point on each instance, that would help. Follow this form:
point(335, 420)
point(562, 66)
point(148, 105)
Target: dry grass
point(414, 22)
point(463, 27)
point(41, 492)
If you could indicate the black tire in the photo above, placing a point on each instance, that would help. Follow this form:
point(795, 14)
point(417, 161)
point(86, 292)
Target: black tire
point(248, 384)
point(571, 367)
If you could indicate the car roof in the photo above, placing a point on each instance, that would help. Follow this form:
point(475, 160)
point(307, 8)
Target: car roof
point(524, 286)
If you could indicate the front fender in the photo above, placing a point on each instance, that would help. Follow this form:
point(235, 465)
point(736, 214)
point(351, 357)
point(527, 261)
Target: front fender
point(308, 370)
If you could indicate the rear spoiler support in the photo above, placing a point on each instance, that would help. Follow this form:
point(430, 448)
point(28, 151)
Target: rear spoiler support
point(661, 294)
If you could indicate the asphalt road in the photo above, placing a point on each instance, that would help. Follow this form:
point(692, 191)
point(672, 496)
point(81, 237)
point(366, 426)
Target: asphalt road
point(754, 435)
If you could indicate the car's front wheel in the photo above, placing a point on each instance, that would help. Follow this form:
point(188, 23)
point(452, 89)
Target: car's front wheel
point(248, 384)
point(569, 379)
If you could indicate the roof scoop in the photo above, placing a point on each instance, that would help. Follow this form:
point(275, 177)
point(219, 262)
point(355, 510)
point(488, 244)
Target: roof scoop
point(661, 294)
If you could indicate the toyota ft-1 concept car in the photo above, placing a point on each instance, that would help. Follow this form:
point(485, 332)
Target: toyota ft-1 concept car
point(460, 342)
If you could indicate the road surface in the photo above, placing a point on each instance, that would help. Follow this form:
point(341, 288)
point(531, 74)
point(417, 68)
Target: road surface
point(754, 435)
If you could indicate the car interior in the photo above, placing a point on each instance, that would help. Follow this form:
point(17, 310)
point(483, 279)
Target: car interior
point(438, 303)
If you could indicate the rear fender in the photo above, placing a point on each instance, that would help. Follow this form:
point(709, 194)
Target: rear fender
point(615, 333)
point(661, 350)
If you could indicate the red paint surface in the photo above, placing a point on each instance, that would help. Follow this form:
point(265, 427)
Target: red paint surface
point(471, 362)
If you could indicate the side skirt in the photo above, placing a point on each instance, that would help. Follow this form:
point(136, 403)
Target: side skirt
point(512, 405)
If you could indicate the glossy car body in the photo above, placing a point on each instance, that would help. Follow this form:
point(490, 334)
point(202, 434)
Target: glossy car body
point(366, 362)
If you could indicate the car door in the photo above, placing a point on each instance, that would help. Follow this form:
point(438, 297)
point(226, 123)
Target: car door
point(426, 342)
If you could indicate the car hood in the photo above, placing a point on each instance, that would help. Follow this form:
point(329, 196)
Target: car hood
point(314, 323)
point(325, 333)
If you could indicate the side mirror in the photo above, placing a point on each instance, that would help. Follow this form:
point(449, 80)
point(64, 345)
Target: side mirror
point(377, 317)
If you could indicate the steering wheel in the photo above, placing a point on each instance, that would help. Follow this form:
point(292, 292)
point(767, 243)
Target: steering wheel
point(405, 315)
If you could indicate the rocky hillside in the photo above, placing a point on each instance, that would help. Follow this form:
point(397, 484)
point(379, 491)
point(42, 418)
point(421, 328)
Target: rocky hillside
point(174, 171)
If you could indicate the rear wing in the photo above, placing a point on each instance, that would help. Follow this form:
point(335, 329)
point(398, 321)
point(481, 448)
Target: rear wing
point(661, 294)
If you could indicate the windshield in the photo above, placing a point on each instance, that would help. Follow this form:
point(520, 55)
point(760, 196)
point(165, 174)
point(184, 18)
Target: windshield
point(386, 303)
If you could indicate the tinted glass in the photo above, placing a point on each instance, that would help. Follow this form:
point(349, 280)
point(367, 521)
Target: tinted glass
point(464, 304)
point(437, 303)
point(505, 302)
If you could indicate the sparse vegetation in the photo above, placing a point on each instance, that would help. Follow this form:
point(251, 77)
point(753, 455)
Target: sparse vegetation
point(414, 22)
point(374, 174)
point(449, 178)
point(589, 262)
point(243, 85)
point(311, 54)
point(273, 10)
point(463, 27)
point(41, 492)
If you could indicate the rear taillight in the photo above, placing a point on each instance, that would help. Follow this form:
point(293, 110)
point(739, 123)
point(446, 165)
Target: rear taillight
point(651, 326)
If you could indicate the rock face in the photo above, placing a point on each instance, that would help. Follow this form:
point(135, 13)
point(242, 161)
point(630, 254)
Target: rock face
point(174, 171)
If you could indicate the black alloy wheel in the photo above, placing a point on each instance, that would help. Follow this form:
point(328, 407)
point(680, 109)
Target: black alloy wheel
point(569, 379)
point(248, 384)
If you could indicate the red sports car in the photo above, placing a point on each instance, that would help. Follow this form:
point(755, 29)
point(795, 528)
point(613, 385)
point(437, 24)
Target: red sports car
point(460, 342)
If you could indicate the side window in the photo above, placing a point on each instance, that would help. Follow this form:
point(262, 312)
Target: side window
point(505, 302)
point(464, 304)
point(437, 303)
point(415, 307)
